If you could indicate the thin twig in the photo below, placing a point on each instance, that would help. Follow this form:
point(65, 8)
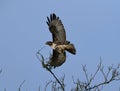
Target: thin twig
point(0, 71)
point(109, 70)
point(39, 88)
point(19, 89)
point(98, 68)
point(85, 71)
point(4, 89)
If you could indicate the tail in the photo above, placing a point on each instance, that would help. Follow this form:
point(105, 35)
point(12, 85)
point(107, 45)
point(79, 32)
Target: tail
point(70, 48)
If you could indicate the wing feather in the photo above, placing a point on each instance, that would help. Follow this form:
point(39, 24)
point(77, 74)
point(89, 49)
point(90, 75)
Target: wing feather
point(57, 59)
point(56, 28)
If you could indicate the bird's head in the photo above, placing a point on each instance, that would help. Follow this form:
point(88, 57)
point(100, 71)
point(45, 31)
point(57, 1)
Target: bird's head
point(49, 43)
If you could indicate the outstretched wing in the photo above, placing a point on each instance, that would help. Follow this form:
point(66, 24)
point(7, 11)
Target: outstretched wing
point(56, 28)
point(57, 59)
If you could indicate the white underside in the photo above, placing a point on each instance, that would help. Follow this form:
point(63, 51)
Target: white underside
point(59, 46)
point(53, 46)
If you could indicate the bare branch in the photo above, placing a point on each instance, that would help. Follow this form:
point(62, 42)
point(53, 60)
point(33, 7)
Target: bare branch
point(4, 89)
point(48, 68)
point(111, 75)
point(115, 75)
point(0, 71)
point(103, 73)
point(85, 71)
point(39, 88)
point(19, 89)
point(109, 70)
point(98, 68)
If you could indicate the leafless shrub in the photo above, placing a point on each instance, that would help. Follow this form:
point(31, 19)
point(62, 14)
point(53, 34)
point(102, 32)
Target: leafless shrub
point(55, 86)
point(112, 74)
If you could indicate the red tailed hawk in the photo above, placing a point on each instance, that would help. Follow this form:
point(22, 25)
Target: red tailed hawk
point(59, 44)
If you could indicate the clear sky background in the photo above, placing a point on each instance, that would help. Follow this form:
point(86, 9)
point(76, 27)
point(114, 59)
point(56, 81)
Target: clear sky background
point(93, 26)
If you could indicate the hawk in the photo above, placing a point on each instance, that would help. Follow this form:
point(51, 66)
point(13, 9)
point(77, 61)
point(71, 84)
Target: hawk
point(59, 44)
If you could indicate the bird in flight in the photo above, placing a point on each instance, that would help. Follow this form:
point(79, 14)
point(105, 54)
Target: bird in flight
point(59, 44)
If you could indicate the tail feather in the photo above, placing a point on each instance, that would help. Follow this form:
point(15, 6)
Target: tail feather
point(70, 48)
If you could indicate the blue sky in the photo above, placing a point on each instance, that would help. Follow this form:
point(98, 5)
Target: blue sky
point(93, 26)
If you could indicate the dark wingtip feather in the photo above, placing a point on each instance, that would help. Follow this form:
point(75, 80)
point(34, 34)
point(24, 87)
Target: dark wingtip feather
point(51, 17)
point(47, 23)
point(54, 16)
point(48, 19)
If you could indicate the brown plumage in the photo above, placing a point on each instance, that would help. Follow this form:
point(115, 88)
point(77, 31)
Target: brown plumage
point(59, 44)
